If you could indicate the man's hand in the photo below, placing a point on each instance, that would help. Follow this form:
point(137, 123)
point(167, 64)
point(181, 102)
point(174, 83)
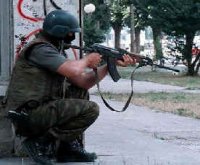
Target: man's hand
point(127, 60)
point(93, 60)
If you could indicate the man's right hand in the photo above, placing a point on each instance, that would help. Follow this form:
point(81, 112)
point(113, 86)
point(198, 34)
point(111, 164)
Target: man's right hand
point(93, 60)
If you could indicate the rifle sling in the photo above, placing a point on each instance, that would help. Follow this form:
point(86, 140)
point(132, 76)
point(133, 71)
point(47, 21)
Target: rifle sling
point(105, 102)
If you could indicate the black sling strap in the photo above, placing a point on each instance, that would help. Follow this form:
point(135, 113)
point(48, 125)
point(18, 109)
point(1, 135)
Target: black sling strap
point(106, 103)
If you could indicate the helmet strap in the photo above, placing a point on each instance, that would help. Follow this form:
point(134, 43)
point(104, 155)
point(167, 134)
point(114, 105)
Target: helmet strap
point(53, 40)
point(61, 46)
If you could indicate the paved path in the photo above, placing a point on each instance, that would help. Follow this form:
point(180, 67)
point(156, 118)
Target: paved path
point(124, 86)
point(144, 137)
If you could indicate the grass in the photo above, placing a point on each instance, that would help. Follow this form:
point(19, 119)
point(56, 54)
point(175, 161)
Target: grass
point(184, 104)
point(161, 77)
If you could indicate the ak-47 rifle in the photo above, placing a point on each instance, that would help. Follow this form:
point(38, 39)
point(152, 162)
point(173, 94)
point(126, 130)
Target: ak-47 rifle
point(110, 56)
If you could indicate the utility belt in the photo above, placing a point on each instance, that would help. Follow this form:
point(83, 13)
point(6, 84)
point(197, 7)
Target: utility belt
point(20, 116)
point(27, 106)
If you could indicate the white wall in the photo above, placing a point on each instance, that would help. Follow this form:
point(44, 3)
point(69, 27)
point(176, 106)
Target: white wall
point(29, 14)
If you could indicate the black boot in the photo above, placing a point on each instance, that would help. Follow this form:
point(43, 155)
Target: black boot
point(74, 152)
point(37, 150)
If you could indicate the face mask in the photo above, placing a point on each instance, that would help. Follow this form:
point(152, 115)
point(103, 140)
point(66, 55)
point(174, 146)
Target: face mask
point(68, 39)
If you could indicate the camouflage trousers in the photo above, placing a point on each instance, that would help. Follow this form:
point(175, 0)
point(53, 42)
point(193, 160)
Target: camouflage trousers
point(66, 119)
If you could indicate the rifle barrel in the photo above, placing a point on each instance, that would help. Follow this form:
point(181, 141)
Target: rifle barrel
point(165, 67)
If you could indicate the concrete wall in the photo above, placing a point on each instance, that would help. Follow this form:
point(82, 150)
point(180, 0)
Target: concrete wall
point(6, 39)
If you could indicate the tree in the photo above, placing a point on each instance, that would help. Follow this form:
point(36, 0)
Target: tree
point(119, 12)
point(175, 18)
point(180, 19)
point(95, 24)
point(136, 24)
point(144, 13)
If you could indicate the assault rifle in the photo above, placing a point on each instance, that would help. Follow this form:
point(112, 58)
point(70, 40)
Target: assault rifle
point(110, 56)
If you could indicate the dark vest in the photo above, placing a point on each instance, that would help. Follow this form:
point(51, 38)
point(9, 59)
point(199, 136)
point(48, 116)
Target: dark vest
point(29, 82)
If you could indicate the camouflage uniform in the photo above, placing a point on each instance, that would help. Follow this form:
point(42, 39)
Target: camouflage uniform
point(64, 116)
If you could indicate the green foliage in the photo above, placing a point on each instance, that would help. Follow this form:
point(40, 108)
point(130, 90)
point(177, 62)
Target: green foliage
point(173, 16)
point(180, 18)
point(119, 12)
point(177, 17)
point(92, 34)
point(95, 24)
point(143, 10)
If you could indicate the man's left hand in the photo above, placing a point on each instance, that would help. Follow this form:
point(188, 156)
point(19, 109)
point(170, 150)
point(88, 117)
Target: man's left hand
point(127, 60)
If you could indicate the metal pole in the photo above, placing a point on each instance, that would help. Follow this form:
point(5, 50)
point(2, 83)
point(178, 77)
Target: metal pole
point(81, 25)
point(132, 11)
point(6, 39)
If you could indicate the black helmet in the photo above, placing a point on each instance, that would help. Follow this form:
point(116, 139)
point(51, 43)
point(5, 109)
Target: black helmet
point(59, 22)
